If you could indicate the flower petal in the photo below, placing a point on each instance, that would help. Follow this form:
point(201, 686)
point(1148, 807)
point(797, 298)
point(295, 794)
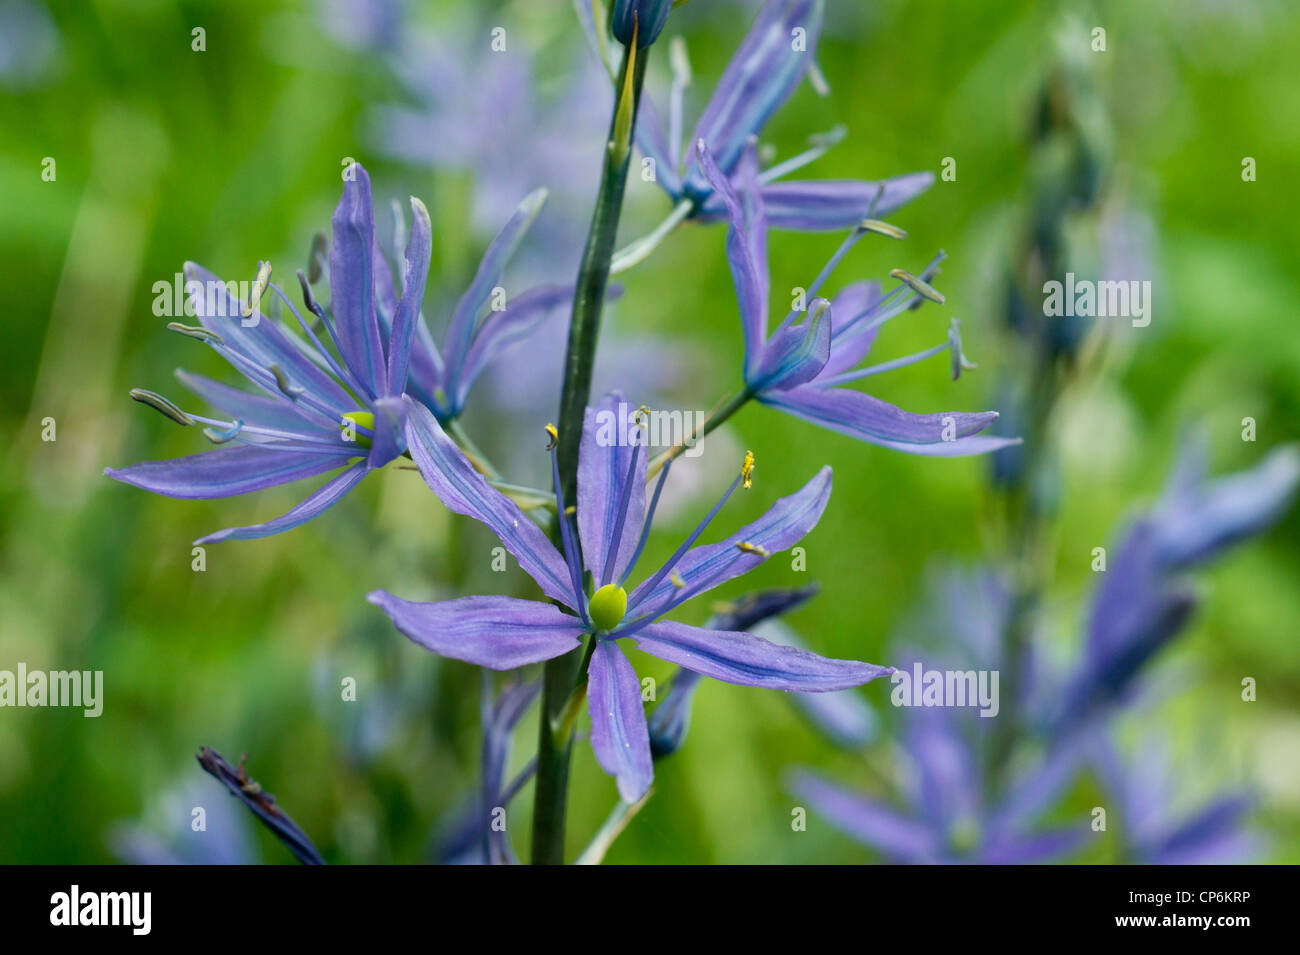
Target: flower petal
point(829, 204)
point(704, 567)
point(849, 350)
point(419, 247)
point(463, 490)
point(652, 140)
point(524, 313)
point(315, 504)
point(796, 353)
point(500, 633)
point(227, 472)
point(879, 827)
point(734, 656)
point(760, 78)
point(862, 416)
point(269, 412)
point(352, 283)
point(604, 461)
point(618, 725)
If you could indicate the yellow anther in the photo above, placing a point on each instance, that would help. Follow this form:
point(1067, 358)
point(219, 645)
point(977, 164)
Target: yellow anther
point(677, 580)
point(882, 228)
point(641, 416)
point(920, 287)
point(745, 547)
point(259, 288)
point(554, 437)
point(747, 470)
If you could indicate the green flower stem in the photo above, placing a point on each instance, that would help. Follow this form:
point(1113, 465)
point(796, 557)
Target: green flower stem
point(615, 823)
point(561, 675)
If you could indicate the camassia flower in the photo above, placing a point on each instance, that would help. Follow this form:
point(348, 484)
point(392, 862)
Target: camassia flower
point(800, 367)
point(613, 524)
point(323, 409)
point(772, 60)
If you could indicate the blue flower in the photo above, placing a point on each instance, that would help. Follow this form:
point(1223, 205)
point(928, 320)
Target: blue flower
point(613, 523)
point(772, 60)
point(800, 367)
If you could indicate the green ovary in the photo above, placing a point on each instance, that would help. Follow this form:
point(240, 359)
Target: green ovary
point(608, 605)
point(353, 421)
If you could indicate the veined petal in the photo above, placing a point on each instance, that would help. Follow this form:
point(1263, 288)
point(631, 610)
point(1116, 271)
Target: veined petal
point(276, 413)
point(652, 139)
point(262, 342)
point(463, 490)
point(419, 247)
point(849, 350)
point(460, 330)
point(227, 472)
point(796, 353)
point(315, 504)
point(760, 78)
point(524, 313)
point(500, 633)
point(734, 656)
point(604, 467)
point(426, 375)
point(829, 204)
point(618, 725)
point(705, 567)
point(879, 827)
point(862, 416)
point(748, 275)
point(352, 283)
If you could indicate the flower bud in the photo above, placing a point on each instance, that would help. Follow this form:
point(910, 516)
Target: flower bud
point(646, 16)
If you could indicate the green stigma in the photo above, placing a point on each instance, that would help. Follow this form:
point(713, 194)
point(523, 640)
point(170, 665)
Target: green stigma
point(608, 604)
point(354, 420)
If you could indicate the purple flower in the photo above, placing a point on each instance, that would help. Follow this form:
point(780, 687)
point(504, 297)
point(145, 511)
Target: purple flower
point(311, 420)
point(948, 816)
point(613, 523)
point(325, 409)
point(771, 62)
point(799, 368)
point(1140, 604)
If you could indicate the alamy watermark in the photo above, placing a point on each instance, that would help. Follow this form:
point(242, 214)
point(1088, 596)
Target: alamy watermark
point(922, 687)
point(628, 427)
point(1085, 298)
point(84, 688)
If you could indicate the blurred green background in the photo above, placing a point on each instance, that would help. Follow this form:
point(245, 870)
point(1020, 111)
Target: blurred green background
point(233, 154)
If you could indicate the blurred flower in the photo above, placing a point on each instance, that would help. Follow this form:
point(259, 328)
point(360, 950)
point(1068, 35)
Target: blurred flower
point(800, 366)
point(613, 522)
point(29, 44)
point(165, 833)
point(947, 817)
point(261, 804)
point(772, 60)
point(1213, 834)
point(1140, 605)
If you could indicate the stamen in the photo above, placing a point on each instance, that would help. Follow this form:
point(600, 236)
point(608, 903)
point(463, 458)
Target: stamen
point(566, 533)
point(649, 518)
point(883, 366)
point(221, 436)
point(747, 470)
point(259, 288)
point(919, 286)
point(883, 228)
point(161, 405)
point(624, 499)
point(194, 331)
point(959, 361)
point(745, 547)
point(317, 258)
point(681, 67)
point(287, 388)
point(669, 564)
point(340, 371)
point(676, 580)
point(820, 145)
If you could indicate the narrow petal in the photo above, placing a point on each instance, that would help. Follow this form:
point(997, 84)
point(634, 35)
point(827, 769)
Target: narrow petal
point(227, 471)
point(862, 416)
point(419, 247)
point(352, 283)
point(796, 353)
point(761, 76)
point(881, 828)
point(734, 656)
point(850, 349)
point(604, 467)
point(748, 276)
point(388, 436)
point(703, 568)
point(463, 490)
point(829, 204)
point(1036, 847)
point(500, 633)
point(315, 504)
point(262, 341)
point(460, 330)
point(520, 318)
point(618, 725)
